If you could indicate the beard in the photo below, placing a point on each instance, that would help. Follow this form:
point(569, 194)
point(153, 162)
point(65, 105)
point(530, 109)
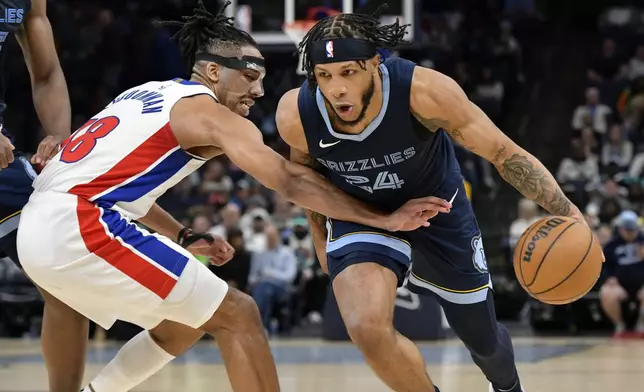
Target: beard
point(366, 101)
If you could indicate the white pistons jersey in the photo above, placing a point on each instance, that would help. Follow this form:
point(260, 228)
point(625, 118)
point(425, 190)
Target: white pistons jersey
point(126, 156)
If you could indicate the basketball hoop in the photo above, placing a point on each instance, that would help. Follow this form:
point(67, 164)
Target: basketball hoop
point(296, 32)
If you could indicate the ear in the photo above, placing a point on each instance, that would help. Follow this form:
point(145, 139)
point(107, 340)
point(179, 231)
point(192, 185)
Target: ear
point(213, 71)
point(375, 61)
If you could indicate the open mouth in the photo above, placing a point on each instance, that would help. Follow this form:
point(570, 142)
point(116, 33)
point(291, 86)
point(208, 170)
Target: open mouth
point(344, 109)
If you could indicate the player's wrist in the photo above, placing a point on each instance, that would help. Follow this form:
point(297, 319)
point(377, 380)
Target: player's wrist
point(183, 236)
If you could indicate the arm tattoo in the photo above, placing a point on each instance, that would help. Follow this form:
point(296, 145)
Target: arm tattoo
point(498, 155)
point(434, 124)
point(535, 184)
point(318, 218)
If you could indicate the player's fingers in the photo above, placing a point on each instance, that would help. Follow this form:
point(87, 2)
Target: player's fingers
point(433, 204)
point(48, 149)
point(425, 215)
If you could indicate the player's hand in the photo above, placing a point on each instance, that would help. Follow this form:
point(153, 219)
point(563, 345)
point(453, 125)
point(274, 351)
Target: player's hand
point(416, 213)
point(6, 151)
point(579, 217)
point(219, 251)
point(47, 148)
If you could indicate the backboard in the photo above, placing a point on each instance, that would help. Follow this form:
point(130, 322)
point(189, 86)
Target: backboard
point(265, 19)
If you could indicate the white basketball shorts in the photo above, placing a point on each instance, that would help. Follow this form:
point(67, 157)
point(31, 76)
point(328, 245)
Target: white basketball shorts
point(107, 268)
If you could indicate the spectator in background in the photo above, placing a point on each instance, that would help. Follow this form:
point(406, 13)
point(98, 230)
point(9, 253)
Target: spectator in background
point(610, 202)
point(229, 220)
point(606, 65)
point(589, 143)
point(201, 223)
point(604, 234)
point(593, 114)
point(636, 65)
point(237, 270)
point(301, 242)
point(489, 93)
point(272, 273)
point(617, 152)
point(528, 214)
point(623, 272)
point(215, 183)
point(578, 173)
point(255, 233)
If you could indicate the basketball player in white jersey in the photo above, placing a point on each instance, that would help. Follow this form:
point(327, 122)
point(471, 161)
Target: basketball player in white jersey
point(110, 172)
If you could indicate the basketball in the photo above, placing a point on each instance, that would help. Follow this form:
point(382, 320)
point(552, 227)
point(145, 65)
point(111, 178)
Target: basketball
point(557, 260)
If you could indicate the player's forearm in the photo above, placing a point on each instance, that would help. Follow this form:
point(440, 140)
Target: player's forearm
point(162, 222)
point(530, 177)
point(310, 190)
point(51, 101)
point(317, 226)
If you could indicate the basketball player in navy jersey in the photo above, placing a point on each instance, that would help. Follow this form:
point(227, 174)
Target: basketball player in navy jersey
point(381, 132)
point(64, 331)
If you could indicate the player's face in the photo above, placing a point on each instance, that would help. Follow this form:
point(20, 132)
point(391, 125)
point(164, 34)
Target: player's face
point(348, 88)
point(238, 89)
point(628, 235)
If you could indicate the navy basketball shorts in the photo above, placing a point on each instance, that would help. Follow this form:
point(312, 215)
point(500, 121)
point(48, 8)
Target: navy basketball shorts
point(15, 188)
point(445, 259)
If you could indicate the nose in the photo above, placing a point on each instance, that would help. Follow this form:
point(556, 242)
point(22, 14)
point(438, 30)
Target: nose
point(338, 90)
point(257, 89)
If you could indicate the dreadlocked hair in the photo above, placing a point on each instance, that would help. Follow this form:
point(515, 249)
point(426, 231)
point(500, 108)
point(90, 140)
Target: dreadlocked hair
point(361, 26)
point(205, 32)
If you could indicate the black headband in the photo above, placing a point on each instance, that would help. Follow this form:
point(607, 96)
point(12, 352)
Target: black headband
point(246, 62)
point(341, 49)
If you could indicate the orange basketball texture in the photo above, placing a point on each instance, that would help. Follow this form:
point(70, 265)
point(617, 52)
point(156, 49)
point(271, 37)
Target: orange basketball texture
point(557, 260)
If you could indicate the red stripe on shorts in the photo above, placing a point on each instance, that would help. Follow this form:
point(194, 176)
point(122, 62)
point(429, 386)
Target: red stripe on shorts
point(111, 250)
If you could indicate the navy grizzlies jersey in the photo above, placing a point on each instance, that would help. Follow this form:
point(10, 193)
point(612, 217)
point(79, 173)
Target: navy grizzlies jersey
point(12, 14)
point(394, 159)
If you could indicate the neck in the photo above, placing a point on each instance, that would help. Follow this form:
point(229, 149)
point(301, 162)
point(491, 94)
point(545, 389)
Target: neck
point(198, 77)
point(375, 105)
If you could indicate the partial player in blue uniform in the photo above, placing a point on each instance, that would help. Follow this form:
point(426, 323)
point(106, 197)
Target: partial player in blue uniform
point(64, 331)
point(381, 132)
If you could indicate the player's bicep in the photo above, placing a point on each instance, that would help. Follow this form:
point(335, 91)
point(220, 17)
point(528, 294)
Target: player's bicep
point(438, 102)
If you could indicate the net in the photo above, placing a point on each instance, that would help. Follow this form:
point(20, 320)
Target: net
point(296, 32)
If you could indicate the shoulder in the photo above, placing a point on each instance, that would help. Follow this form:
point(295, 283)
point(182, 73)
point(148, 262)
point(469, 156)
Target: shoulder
point(427, 83)
point(435, 95)
point(289, 124)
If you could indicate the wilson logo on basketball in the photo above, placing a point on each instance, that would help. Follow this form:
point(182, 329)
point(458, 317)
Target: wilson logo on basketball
point(542, 232)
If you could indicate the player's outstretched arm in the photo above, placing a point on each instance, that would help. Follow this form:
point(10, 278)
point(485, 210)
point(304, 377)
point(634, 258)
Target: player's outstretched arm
point(48, 85)
point(438, 102)
point(199, 121)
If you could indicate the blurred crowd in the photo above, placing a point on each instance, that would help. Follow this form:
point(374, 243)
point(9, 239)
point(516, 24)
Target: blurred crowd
point(604, 175)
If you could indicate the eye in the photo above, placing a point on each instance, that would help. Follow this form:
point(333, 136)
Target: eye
point(323, 75)
point(348, 72)
point(250, 78)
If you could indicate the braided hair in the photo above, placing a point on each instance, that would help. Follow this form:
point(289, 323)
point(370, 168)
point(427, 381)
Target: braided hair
point(205, 32)
point(361, 26)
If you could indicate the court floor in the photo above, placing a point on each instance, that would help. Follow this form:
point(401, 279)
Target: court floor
point(545, 365)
